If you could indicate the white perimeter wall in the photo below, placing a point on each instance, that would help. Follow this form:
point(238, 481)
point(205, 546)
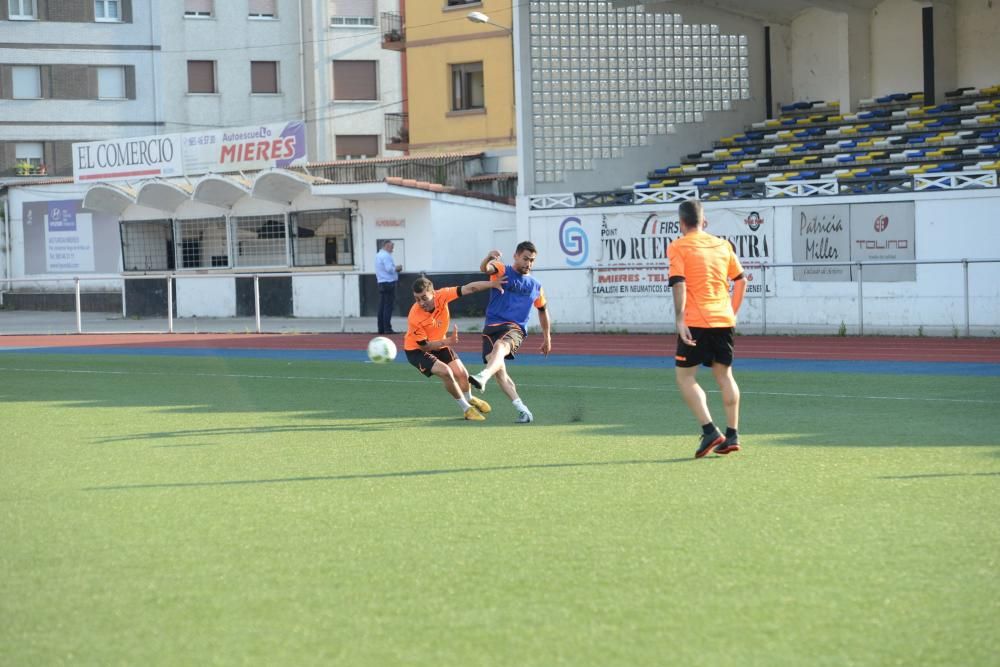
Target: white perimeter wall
point(952, 225)
point(206, 297)
point(977, 28)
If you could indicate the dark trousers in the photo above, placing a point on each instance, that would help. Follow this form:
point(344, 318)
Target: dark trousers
point(386, 302)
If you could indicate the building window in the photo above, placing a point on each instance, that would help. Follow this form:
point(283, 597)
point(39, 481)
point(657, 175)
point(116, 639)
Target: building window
point(201, 9)
point(352, 13)
point(263, 9)
point(29, 154)
point(201, 76)
point(322, 238)
point(202, 243)
point(356, 146)
point(147, 245)
point(107, 10)
point(21, 10)
point(355, 80)
point(111, 83)
point(259, 240)
point(264, 76)
point(459, 3)
point(467, 86)
point(27, 82)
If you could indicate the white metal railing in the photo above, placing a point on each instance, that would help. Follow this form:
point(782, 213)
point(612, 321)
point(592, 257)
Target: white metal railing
point(955, 180)
point(810, 188)
point(664, 195)
point(589, 320)
point(544, 202)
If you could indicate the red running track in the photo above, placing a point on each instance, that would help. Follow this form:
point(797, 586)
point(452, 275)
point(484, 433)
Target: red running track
point(972, 350)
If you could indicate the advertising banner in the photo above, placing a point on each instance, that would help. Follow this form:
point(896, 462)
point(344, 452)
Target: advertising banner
point(821, 234)
point(191, 154)
point(628, 251)
point(60, 237)
point(884, 231)
point(855, 232)
point(245, 148)
point(128, 159)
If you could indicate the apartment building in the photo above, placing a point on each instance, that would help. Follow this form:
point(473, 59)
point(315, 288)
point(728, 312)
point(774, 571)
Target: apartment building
point(351, 83)
point(459, 73)
point(74, 70)
point(88, 70)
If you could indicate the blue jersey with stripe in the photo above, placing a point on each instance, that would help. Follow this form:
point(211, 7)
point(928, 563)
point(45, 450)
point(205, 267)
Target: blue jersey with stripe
point(520, 293)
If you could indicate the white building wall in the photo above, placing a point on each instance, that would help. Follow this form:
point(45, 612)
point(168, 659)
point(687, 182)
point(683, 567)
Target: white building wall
point(78, 43)
point(948, 226)
point(232, 39)
point(897, 47)
point(977, 28)
point(329, 117)
point(206, 297)
point(818, 45)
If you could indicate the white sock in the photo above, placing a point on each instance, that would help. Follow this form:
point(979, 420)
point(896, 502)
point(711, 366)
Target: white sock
point(519, 406)
point(464, 403)
point(468, 394)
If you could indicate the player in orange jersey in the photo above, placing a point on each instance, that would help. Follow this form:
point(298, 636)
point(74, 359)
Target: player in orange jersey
point(701, 268)
point(429, 348)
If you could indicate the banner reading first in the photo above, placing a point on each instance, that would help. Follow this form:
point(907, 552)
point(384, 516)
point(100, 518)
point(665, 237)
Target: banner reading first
point(192, 153)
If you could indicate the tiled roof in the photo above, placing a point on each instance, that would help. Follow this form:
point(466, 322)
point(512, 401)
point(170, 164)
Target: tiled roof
point(437, 187)
point(391, 160)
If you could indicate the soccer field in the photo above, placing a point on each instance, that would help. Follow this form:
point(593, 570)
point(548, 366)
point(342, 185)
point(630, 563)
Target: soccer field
point(221, 510)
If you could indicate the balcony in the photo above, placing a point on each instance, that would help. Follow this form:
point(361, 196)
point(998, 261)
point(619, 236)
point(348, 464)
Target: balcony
point(393, 31)
point(397, 131)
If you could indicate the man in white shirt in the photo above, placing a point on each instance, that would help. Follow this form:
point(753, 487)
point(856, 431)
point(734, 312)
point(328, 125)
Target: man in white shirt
point(387, 275)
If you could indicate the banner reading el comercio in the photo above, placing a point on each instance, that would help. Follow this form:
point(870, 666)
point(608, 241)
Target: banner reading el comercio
point(190, 154)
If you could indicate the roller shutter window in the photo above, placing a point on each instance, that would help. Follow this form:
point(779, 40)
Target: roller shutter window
point(356, 146)
point(263, 9)
point(264, 77)
point(354, 80)
point(201, 76)
point(198, 8)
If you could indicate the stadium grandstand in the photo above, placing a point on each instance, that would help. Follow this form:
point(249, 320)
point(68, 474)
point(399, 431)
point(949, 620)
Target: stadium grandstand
point(738, 100)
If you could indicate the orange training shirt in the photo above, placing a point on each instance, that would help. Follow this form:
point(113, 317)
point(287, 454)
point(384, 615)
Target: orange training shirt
point(421, 325)
point(707, 264)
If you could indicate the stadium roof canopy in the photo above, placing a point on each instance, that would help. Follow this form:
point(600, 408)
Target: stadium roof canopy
point(772, 11)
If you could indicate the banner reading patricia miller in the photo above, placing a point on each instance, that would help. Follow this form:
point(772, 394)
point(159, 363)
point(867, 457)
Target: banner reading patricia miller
point(629, 250)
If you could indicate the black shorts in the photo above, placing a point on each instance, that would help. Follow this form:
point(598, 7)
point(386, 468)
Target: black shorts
point(424, 360)
point(509, 332)
point(713, 345)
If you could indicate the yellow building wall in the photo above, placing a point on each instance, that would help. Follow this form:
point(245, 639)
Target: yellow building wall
point(437, 38)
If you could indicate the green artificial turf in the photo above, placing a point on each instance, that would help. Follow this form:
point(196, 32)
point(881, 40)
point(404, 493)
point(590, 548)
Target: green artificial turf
point(171, 511)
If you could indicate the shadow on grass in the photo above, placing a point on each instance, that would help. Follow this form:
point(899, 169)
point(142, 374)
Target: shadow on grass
point(400, 474)
point(931, 475)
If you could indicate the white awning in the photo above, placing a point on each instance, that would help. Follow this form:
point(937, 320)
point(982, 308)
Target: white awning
point(163, 194)
point(221, 191)
point(109, 198)
point(283, 186)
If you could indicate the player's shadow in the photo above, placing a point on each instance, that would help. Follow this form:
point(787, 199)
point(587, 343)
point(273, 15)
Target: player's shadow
point(374, 425)
point(396, 474)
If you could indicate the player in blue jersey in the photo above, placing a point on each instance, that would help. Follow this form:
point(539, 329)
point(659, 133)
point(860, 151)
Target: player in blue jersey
point(507, 320)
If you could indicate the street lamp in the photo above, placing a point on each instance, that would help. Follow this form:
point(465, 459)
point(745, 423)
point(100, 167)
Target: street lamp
point(479, 17)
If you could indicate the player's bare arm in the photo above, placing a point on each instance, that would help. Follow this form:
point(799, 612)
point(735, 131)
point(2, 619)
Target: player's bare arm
point(739, 289)
point(448, 341)
point(483, 285)
point(543, 319)
point(486, 266)
point(680, 302)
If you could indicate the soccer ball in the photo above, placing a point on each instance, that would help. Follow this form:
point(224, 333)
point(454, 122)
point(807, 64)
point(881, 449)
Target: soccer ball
point(381, 350)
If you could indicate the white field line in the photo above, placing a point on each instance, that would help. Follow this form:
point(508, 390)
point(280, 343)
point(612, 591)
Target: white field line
point(744, 392)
